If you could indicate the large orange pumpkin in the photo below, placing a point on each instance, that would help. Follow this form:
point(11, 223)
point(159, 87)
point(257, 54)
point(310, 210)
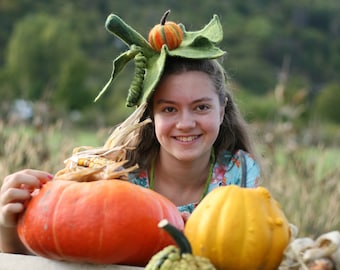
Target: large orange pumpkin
point(166, 32)
point(105, 221)
point(239, 229)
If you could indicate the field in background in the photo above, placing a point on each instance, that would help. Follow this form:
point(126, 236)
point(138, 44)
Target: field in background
point(302, 178)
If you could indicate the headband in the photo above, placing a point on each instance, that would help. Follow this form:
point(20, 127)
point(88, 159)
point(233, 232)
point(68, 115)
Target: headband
point(150, 61)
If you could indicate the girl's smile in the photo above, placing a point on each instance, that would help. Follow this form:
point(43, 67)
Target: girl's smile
point(186, 139)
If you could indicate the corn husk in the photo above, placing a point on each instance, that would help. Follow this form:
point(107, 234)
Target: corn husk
point(106, 162)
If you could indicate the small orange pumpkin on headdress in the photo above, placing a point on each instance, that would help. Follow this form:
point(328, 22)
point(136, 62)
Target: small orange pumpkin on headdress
point(165, 33)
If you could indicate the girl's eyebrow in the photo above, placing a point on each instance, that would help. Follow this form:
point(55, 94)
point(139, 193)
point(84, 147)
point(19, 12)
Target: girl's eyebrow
point(203, 99)
point(160, 101)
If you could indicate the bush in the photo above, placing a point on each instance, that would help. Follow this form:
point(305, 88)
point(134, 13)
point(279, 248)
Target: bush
point(256, 107)
point(327, 103)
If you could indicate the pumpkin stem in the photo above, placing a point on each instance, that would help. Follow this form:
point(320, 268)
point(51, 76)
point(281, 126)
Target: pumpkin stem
point(165, 15)
point(179, 237)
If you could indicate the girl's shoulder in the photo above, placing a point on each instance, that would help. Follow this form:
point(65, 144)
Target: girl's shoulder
point(229, 159)
point(228, 169)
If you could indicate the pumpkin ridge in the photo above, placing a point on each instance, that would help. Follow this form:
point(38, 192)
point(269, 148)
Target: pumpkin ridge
point(251, 246)
point(54, 218)
point(220, 255)
point(101, 237)
point(163, 40)
point(241, 203)
point(101, 233)
point(277, 219)
point(172, 36)
point(158, 40)
point(164, 211)
point(177, 31)
point(168, 39)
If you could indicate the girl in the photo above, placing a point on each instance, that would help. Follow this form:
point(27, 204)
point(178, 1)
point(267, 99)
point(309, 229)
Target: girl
point(197, 139)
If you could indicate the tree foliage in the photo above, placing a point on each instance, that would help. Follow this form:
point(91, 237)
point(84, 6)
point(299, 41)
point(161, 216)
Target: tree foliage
point(327, 103)
point(48, 48)
point(41, 48)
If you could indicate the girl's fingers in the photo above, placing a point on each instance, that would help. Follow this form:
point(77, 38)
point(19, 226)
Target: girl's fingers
point(42, 176)
point(16, 191)
point(14, 195)
point(13, 208)
point(33, 178)
point(9, 214)
point(17, 187)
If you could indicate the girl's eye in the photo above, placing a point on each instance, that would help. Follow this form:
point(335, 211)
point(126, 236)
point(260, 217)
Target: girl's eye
point(202, 107)
point(168, 109)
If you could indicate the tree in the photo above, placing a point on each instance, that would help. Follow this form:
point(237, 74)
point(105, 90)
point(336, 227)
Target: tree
point(40, 48)
point(72, 92)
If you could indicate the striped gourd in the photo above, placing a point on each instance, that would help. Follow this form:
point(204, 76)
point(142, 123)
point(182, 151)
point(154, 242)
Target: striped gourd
point(166, 32)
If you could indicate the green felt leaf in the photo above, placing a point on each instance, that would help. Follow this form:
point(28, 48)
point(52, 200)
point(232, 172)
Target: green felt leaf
point(118, 65)
point(212, 31)
point(153, 73)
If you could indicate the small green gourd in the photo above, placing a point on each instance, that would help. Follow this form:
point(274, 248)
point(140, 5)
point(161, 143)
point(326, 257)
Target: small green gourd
point(179, 258)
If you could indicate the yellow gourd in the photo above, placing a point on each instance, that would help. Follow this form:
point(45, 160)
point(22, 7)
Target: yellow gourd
point(239, 228)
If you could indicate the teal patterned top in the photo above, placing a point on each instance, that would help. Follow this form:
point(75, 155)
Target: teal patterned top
point(227, 171)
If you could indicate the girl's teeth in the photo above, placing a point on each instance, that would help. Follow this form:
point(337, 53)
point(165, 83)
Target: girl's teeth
point(187, 139)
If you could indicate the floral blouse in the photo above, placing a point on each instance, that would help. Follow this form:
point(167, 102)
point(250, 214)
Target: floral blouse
point(227, 171)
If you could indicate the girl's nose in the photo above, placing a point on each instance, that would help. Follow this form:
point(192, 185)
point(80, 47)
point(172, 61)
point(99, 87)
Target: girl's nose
point(186, 121)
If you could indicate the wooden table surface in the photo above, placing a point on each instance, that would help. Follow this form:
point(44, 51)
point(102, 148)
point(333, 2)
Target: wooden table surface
point(26, 262)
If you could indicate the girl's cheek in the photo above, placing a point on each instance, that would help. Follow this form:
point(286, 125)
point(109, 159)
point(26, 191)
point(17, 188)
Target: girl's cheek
point(163, 125)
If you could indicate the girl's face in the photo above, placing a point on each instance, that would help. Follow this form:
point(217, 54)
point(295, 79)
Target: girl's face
point(187, 115)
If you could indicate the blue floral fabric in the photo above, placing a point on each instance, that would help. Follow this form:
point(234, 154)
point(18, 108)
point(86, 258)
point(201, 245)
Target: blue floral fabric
point(227, 171)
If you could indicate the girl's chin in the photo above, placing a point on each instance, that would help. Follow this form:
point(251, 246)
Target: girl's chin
point(186, 157)
point(186, 153)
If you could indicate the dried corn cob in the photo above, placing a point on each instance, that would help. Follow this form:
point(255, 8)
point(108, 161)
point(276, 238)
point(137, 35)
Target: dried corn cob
point(94, 162)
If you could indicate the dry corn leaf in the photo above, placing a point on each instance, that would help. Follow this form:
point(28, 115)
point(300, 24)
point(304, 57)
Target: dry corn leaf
point(106, 162)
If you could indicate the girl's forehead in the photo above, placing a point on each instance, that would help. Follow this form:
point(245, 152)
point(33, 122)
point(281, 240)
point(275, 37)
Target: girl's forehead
point(187, 84)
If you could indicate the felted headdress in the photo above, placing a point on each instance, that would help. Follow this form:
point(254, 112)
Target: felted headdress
point(150, 56)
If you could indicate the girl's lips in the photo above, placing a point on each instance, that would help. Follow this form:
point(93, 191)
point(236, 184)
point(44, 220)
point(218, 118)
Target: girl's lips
point(186, 138)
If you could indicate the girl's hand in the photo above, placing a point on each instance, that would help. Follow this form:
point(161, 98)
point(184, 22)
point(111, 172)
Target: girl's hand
point(16, 189)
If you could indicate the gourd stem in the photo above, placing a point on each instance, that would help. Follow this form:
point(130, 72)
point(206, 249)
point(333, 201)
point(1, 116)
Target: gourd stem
point(177, 235)
point(165, 15)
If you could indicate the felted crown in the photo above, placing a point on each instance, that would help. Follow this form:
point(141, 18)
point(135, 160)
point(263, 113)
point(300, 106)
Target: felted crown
point(150, 61)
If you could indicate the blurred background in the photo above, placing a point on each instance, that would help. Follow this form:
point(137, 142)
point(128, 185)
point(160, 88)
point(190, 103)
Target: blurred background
point(283, 59)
